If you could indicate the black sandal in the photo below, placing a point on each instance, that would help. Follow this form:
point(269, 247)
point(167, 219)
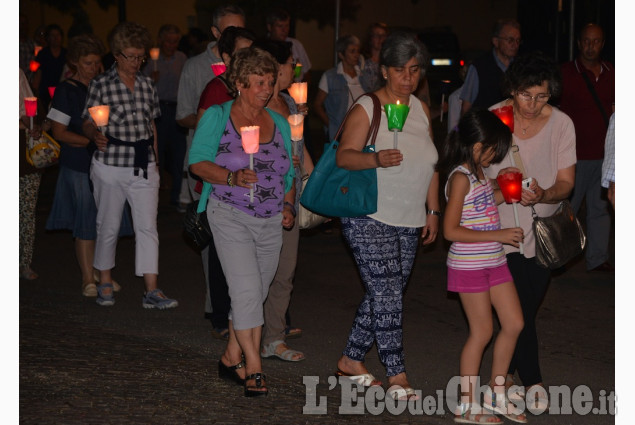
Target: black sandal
point(230, 372)
point(255, 393)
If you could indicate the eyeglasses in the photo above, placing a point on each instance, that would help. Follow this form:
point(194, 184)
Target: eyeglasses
point(511, 40)
point(540, 98)
point(132, 59)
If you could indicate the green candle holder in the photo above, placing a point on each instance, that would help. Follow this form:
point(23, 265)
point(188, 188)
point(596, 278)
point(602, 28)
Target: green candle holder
point(396, 114)
point(297, 71)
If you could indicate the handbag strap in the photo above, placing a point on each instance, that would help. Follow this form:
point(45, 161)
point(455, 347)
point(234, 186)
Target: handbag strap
point(534, 214)
point(595, 96)
point(516, 160)
point(374, 125)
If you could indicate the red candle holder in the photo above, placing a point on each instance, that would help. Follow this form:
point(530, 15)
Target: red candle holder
point(218, 68)
point(34, 66)
point(51, 91)
point(506, 115)
point(30, 105)
point(511, 186)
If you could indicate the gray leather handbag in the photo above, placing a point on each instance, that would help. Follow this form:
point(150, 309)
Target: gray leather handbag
point(559, 237)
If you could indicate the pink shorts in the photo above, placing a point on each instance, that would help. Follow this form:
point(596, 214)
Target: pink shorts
point(477, 280)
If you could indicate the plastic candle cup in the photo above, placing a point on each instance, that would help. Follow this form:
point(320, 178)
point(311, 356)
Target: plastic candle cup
point(251, 142)
point(218, 68)
point(506, 115)
point(510, 185)
point(298, 91)
point(154, 55)
point(51, 91)
point(297, 71)
point(397, 114)
point(100, 115)
point(30, 104)
point(34, 66)
point(296, 122)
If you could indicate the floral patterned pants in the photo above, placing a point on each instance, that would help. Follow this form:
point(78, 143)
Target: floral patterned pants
point(29, 186)
point(384, 255)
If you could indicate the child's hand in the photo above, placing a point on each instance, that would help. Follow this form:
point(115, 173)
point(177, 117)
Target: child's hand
point(512, 236)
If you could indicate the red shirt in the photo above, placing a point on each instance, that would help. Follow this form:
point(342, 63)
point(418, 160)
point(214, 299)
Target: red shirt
point(215, 93)
point(577, 102)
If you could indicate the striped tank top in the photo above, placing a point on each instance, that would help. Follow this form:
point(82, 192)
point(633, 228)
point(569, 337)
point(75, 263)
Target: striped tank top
point(479, 213)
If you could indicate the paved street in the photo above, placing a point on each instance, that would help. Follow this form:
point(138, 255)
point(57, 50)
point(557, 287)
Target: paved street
point(85, 364)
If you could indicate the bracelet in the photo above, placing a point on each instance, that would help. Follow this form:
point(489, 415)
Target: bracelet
point(230, 178)
point(434, 212)
point(291, 206)
point(377, 160)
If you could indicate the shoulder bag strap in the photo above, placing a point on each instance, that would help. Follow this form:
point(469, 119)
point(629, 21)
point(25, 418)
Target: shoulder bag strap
point(595, 97)
point(516, 160)
point(374, 125)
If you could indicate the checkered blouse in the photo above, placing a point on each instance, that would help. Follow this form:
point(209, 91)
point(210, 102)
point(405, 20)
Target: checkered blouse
point(131, 114)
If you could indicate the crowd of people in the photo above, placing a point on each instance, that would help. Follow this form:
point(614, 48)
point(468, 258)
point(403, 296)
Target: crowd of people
point(176, 116)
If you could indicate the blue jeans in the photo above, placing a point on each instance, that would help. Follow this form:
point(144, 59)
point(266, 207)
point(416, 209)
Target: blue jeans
point(588, 174)
point(384, 255)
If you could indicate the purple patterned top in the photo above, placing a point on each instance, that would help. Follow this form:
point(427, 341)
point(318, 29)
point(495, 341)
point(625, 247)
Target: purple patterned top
point(271, 163)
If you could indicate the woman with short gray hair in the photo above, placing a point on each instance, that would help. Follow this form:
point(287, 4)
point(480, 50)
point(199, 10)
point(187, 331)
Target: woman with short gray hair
point(384, 243)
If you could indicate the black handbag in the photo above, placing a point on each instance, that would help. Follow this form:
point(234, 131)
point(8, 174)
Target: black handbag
point(559, 237)
point(197, 226)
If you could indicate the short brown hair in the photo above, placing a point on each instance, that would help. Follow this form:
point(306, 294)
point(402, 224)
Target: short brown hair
point(251, 61)
point(84, 45)
point(129, 34)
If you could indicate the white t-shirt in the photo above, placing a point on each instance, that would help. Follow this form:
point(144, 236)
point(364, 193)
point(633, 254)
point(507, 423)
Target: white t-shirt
point(402, 191)
point(552, 149)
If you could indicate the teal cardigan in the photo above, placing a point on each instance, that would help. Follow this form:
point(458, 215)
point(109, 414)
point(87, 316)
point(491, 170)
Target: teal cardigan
point(207, 138)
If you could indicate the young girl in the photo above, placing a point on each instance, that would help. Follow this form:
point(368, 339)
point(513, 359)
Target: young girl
point(477, 267)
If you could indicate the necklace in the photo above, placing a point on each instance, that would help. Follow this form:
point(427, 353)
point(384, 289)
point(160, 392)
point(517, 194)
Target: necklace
point(524, 130)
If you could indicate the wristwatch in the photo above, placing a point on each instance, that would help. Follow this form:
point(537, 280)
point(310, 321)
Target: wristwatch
point(434, 212)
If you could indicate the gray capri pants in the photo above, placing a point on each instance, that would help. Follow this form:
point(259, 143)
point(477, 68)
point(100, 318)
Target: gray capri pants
point(248, 249)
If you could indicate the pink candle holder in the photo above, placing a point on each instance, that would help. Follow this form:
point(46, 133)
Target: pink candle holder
point(218, 68)
point(296, 122)
point(30, 105)
point(506, 115)
point(511, 186)
point(250, 137)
